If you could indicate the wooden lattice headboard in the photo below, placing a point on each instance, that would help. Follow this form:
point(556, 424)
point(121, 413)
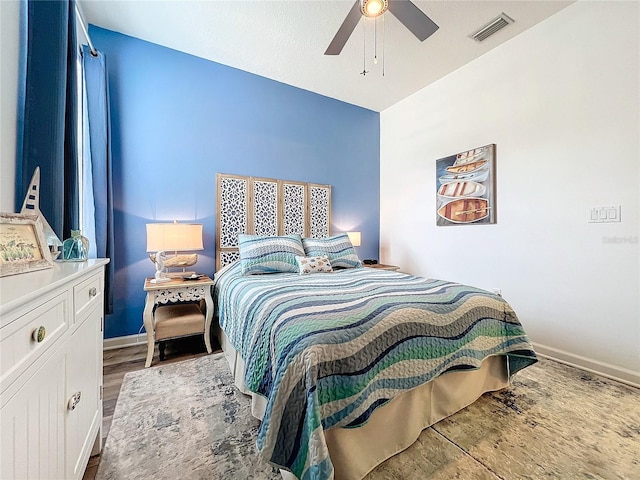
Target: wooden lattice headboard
point(265, 206)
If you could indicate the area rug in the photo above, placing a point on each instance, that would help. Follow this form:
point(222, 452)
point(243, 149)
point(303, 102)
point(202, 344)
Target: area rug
point(183, 420)
point(187, 420)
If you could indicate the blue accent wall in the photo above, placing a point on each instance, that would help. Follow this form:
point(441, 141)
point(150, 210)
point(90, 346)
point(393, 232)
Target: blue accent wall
point(177, 120)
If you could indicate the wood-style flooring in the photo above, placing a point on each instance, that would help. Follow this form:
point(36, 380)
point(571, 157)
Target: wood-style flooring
point(119, 361)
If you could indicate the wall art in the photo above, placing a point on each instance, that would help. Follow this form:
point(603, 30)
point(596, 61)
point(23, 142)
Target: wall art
point(23, 247)
point(465, 187)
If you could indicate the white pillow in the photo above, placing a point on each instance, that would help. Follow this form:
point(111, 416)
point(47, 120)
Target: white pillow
point(320, 264)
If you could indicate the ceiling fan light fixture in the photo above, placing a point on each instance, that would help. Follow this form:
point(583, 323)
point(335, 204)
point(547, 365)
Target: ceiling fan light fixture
point(373, 8)
point(416, 21)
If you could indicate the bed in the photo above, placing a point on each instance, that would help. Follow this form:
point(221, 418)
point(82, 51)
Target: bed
point(336, 359)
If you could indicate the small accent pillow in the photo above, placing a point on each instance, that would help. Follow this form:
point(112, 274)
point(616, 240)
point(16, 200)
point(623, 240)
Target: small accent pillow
point(338, 248)
point(260, 254)
point(319, 264)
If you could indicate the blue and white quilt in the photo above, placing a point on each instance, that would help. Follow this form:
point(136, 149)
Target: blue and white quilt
point(326, 350)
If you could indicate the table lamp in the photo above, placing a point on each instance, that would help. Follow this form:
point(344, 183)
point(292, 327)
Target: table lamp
point(355, 238)
point(173, 237)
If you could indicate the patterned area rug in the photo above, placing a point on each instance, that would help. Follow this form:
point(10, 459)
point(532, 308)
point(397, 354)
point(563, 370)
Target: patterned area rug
point(187, 420)
point(183, 420)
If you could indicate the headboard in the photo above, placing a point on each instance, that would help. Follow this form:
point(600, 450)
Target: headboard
point(266, 206)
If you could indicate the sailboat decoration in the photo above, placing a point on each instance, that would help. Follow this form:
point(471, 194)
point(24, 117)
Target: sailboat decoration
point(31, 205)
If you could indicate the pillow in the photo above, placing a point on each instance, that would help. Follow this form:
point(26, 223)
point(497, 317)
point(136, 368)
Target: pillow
point(269, 254)
point(338, 248)
point(319, 264)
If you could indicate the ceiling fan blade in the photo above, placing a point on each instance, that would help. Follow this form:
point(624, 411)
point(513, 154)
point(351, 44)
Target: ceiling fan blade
point(413, 18)
point(345, 30)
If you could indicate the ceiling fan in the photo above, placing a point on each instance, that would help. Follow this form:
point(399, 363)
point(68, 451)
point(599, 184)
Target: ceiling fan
point(409, 15)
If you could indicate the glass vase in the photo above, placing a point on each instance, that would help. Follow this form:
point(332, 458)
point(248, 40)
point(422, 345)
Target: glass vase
point(76, 248)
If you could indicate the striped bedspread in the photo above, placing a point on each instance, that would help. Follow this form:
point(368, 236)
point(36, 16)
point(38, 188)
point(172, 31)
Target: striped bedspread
point(325, 350)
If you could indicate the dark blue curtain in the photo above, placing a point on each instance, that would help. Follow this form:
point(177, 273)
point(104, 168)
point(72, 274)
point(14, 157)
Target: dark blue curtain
point(47, 111)
point(95, 71)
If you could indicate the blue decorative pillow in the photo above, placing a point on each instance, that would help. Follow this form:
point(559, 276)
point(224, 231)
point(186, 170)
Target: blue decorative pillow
point(260, 254)
point(338, 248)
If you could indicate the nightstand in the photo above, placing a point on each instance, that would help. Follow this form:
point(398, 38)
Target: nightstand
point(170, 311)
point(382, 266)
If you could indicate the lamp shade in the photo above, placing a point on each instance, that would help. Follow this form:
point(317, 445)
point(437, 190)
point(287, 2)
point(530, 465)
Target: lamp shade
point(177, 237)
point(355, 238)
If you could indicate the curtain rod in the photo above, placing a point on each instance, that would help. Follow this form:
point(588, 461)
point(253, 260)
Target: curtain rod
point(85, 30)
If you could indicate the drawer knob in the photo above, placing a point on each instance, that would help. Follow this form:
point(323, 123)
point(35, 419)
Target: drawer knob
point(39, 334)
point(74, 401)
point(93, 292)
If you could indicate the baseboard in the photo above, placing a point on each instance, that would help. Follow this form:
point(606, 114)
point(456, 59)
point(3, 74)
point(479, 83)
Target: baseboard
point(125, 341)
point(613, 372)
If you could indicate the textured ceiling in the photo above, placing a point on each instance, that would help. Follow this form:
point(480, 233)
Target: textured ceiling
point(286, 40)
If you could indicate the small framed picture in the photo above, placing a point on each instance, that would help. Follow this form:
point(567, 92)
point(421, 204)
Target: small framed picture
point(23, 247)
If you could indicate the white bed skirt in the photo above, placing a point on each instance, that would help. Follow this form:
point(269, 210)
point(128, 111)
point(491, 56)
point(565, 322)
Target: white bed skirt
point(396, 425)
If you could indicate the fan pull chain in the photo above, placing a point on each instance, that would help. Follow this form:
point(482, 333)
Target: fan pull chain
point(364, 50)
point(375, 41)
point(384, 30)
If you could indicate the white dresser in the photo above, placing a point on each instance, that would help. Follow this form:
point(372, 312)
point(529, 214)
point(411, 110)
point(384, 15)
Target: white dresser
point(51, 331)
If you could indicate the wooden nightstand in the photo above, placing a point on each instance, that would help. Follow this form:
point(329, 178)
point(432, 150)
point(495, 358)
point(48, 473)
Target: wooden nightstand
point(170, 294)
point(382, 266)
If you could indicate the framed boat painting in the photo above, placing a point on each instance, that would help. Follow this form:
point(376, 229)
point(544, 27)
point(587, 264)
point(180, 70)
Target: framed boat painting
point(465, 187)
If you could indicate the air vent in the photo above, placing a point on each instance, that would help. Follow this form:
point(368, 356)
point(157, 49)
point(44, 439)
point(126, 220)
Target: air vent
point(492, 27)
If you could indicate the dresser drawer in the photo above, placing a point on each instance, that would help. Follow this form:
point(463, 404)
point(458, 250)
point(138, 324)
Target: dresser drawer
point(29, 336)
point(87, 294)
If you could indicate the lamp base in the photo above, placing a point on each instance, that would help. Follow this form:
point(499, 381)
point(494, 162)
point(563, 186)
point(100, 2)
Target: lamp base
point(161, 280)
point(160, 277)
point(177, 261)
point(180, 274)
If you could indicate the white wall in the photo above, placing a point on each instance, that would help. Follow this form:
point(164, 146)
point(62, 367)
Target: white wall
point(562, 103)
point(9, 50)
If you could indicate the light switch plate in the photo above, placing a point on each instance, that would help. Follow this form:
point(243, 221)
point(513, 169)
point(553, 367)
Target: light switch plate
point(605, 214)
